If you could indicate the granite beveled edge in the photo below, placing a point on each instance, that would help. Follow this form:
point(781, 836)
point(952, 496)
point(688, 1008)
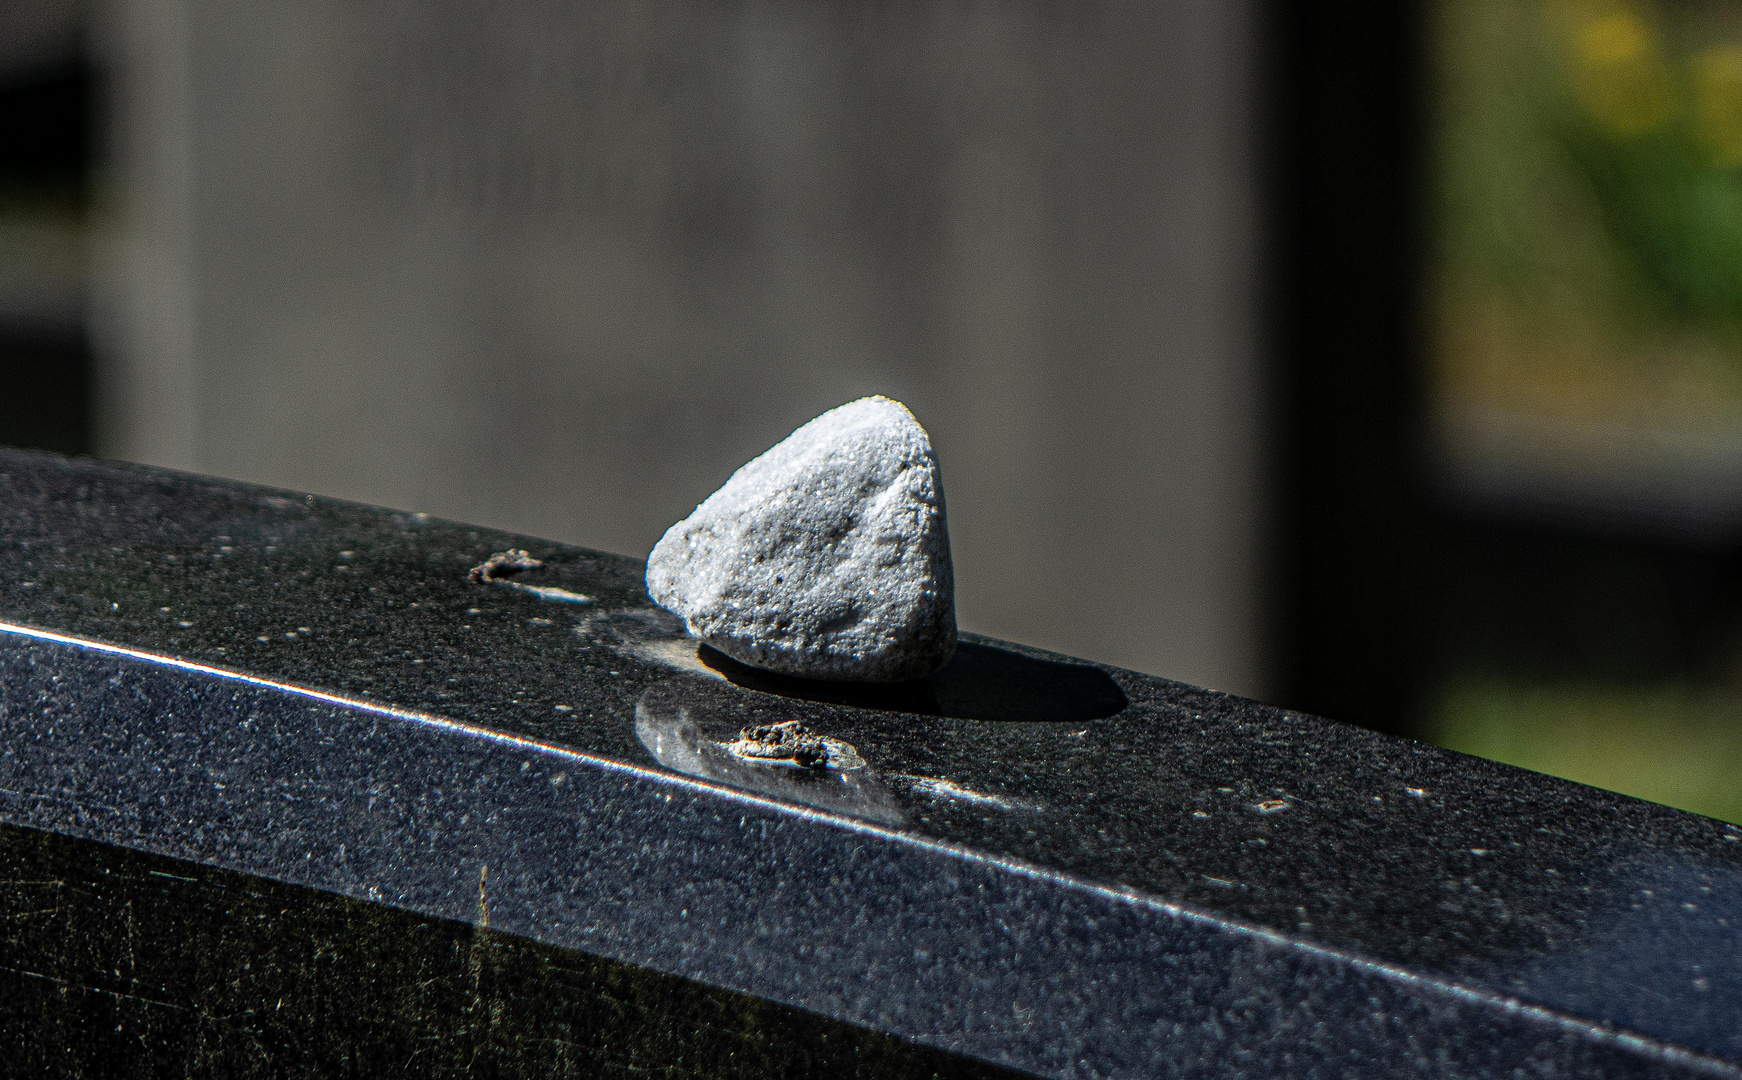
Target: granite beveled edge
point(1059, 894)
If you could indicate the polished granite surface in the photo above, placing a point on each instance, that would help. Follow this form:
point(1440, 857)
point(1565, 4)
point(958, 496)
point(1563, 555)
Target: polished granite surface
point(1042, 863)
point(116, 963)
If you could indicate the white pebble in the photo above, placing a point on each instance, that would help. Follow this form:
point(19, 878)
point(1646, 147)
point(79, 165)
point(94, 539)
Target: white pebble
point(828, 557)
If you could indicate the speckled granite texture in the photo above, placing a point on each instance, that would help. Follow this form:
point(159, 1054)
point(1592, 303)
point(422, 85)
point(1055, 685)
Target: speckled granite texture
point(1042, 865)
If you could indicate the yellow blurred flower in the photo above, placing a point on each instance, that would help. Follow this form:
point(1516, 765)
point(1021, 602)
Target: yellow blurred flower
point(1717, 79)
point(1620, 74)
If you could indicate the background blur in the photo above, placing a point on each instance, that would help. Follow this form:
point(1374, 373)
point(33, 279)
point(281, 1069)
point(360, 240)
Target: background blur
point(1379, 359)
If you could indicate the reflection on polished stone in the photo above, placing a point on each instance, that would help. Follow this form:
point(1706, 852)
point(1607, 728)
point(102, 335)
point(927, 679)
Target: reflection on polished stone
point(690, 735)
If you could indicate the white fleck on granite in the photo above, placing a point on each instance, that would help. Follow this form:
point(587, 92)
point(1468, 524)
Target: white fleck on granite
point(828, 557)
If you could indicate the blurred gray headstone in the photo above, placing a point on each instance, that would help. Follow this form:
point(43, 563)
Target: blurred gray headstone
point(562, 267)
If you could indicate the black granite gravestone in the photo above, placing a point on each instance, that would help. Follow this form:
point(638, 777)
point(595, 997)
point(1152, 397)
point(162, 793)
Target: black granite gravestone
point(284, 790)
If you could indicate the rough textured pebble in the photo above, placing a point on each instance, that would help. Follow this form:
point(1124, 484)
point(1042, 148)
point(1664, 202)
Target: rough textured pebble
point(828, 557)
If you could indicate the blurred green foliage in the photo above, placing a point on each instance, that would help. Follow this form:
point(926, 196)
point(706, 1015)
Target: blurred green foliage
point(1587, 208)
point(1587, 219)
point(1675, 744)
point(1657, 133)
point(1678, 219)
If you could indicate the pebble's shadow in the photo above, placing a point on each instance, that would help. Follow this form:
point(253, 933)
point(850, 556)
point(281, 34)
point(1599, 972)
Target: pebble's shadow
point(981, 682)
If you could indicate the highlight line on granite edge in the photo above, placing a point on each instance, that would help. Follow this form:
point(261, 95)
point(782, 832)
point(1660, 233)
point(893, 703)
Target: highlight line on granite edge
point(1475, 995)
